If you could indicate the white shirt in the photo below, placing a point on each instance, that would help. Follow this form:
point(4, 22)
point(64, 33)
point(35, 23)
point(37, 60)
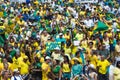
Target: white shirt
point(17, 77)
point(111, 72)
point(89, 23)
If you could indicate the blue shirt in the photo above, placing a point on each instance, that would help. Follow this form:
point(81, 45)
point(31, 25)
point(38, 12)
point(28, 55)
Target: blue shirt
point(77, 70)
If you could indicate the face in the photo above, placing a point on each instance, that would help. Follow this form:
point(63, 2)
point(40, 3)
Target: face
point(4, 61)
point(6, 75)
point(6, 66)
point(102, 58)
point(75, 61)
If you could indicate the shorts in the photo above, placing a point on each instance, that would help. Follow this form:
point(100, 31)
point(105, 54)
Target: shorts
point(66, 75)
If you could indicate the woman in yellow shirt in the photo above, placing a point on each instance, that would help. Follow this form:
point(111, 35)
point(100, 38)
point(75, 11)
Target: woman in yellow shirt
point(66, 69)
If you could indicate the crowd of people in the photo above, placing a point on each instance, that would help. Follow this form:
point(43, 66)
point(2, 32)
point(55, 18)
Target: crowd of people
point(59, 40)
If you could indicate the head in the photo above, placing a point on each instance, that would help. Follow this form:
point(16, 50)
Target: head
point(118, 64)
point(77, 54)
point(102, 57)
point(60, 35)
point(47, 59)
point(76, 61)
point(66, 59)
point(6, 66)
point(16, 72)
point(90, 44)
point(5, 75)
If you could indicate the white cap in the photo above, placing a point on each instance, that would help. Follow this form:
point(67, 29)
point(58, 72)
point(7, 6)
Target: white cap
point(15, 70)
point(47, 57)
point(61, 34)
point(91, 66)
point(57, 48)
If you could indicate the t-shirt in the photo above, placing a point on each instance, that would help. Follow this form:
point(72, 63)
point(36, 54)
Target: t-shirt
point(45, 71)
point(65, 67)
point(117, 48)
point(24, 68)
point(94, 60)
point(77, 70)
point(16, 78)
point(103, 65)
point(116, 73)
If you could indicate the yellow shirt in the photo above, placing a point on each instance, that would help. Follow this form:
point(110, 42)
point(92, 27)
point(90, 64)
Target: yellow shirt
point(82, 13)
point(67, 50)
point(79, 36)
point(67, 37)
point(109, 34)
point(36, 44)
point(117, 48)
point(116, 73)
point(1, 66)
point(71, 1)
point(84, 44)
point(1, 50)
point(65, 67)
point(24, 68)
point(94, 60)
point(21, 22)
point(74, 50)
point(103, 66)
point(15, 64)
point(45, 71)
point(36, 2)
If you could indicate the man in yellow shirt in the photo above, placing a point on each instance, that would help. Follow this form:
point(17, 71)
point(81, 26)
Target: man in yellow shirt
point(102, 67)
point(46, 69)
point(24, 68)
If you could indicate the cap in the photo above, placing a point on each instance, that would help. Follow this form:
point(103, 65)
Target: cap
point(61, 34)
point(47, 57)
point(76, 59)
point(91, 66)
point(15, 70)
point(57, 48)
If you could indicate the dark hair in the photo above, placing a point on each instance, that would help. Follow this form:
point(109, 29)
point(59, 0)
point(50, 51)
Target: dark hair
point(118, 64)
point(77, 53)
point(57, 62)
point(66, 58)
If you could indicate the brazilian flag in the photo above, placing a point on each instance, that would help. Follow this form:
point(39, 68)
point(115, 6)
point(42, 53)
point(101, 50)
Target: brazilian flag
point(101, 26)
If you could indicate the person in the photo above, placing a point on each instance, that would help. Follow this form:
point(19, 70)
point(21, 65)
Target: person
point(16, 75)
point(24, 68)
point(5, 76)
point(36, 69)
point(117, 49)
point(56, 69)
point(46, 69)
point(116, 71)
point(6, 72)
point(111, 69)
point(92, 72)
point(77, 70)
point(26, 25)
point(65, 73)
point(102, 67)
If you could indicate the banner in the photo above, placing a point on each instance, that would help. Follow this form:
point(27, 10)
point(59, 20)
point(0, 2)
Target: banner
point(86, 1)
point(52, 46)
